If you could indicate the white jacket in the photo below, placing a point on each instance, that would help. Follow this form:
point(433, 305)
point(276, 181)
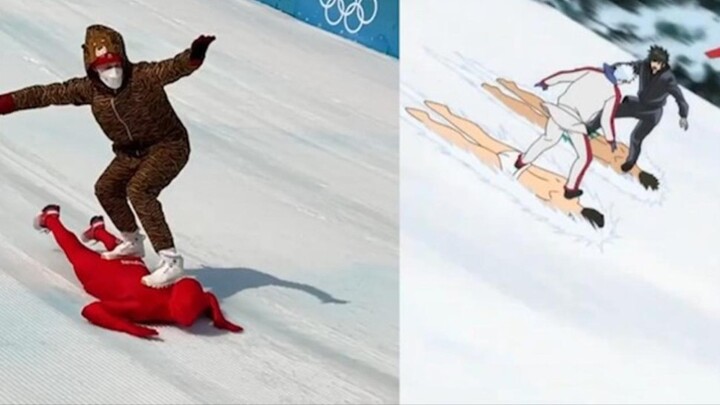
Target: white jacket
point(590, 93)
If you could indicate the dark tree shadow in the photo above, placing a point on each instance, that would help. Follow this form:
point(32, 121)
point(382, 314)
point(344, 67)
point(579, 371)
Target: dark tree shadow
point(226, 282)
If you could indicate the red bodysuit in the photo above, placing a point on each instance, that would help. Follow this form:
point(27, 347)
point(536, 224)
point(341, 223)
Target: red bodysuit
point(123, 300)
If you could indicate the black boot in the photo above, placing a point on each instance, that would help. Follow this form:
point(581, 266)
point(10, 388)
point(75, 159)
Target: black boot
point(570, 194)
point(595, 217)
point(51, 208)
point(39, 221)
point(89, 234)
point(627, 166)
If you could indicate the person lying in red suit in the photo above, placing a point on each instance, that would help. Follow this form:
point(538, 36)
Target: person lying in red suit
point(123, 301)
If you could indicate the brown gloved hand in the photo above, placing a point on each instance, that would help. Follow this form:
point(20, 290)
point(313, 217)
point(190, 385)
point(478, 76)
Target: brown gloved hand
point(199, 48)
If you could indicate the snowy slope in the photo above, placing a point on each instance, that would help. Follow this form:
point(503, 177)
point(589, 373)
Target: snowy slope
point(287, 210)
point(513, 309)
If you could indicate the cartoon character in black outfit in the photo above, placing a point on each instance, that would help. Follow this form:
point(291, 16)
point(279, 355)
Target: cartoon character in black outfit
point(655, 82)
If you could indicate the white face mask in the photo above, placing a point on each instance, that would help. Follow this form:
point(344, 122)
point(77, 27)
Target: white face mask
point(112, 77)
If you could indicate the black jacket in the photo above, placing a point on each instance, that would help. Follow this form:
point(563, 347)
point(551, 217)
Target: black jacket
point(653, 89)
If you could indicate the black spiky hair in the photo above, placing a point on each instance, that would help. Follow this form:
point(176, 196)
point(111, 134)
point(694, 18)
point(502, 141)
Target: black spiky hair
point(659, 54)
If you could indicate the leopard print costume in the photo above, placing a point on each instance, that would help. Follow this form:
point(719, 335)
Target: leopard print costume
point(150, 142)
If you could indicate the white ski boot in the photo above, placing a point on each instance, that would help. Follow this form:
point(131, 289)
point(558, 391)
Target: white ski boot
point(131, 246)
point(171, 269)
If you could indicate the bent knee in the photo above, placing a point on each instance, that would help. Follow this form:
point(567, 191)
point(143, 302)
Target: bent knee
point(139, 192)
point(105, 191)
point(136, 192)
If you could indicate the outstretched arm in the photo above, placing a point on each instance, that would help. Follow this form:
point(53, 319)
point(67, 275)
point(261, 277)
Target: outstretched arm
point(77, 91)
point(181, 65)
point(565, 76)
point(677, 94)
point(217, 316)
point(607, 119)
point(115, 316)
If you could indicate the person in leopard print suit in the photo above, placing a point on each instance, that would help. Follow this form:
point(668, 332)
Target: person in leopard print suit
point(150, 143)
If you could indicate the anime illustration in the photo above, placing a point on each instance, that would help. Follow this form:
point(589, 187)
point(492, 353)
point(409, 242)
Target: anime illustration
point(546, 185)
point(593, 97)
point(592, 93)
point(656, 83)
point(558, 197)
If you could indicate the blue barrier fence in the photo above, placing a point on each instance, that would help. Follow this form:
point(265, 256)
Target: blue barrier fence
point(373, 23)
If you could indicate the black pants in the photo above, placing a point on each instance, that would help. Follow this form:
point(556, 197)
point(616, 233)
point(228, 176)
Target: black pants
point(648, 118)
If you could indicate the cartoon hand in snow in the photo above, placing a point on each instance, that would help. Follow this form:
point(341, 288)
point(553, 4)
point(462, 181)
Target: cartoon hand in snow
point(542, 85)
point(684, 124)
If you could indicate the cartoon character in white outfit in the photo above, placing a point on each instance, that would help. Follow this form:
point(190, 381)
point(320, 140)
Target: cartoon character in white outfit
point(591, 91)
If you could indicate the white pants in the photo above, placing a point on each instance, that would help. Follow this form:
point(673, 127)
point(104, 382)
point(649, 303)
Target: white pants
point(580, 142)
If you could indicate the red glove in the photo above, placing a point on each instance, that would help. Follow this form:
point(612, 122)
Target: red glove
point(199, 48)
point(7, 104)
point(141, 331)
point(111, 315)
point(227, 325)
point(219, 320)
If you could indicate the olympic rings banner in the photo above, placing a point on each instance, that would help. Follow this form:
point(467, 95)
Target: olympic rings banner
point(373, 23)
